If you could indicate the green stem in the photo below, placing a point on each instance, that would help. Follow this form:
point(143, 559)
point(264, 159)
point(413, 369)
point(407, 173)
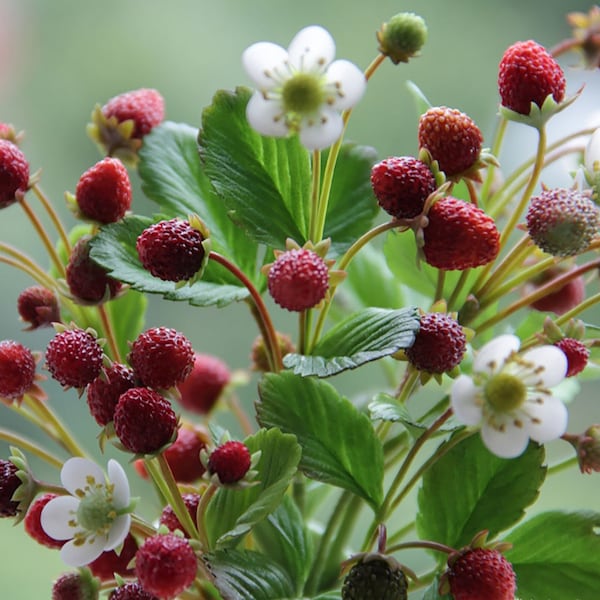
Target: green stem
point(562, 465)
point(458, 288)
point(421, 544)
point(28, 446)
point(571, 314)
point(208, 493)
point(26, 264)
point(411, 377)
point(439, 288)
point(53, 216)
point(398, 535)
point(491, 170)
point(109, 333)
point(142, 527)
point(314, 194)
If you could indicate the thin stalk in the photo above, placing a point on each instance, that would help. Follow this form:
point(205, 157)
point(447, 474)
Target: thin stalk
point(53, 216)
point(472, 191)
point(208, 493)
point(421, 544)
point(239, 413)
point(26, 264)
point(497, 144)
point(571, 314)
point(27, 446)
point(140, 526)
point(314, 194)
point(562, 465)
point(458, 288)
point(398, 535)
point(439, 288)
point(410, 380)
point(109, 333)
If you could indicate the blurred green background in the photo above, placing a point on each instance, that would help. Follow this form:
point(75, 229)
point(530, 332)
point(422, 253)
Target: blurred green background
point(58, 58)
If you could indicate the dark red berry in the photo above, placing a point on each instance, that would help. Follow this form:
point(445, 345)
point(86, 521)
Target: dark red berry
point(201, 389)
point(563, 299)
point(161, 357)
point(33, 525)
point(38, 306)
point(298, 279)
point(145, 107)
point(144, 421)
point(103, 192)
point(109, 562)
point(87, 280)
point(169, 519)
point(131, 591)
point(104, 392)
point(165, 565)
point(577, 354)
point(375, 578)
point(439, 346)
point(75, 586)
point(17, 369)
point(74, 358)
point(171, 250)
point(230, 462)
point(9, 483)
point(14, 172)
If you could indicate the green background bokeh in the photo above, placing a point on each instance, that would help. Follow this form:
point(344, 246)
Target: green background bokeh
point(58, 58)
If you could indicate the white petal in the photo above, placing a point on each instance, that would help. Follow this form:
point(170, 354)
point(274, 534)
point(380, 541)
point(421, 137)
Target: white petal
point(552, 418)
point(463, 397)
point(552, 363)
point(118, 532)
point(75, 473)
point(491, 356)
point(322, 131)
point(508, 443)
point(264, 63)
point(265, 116)
point(351, 81)
point(117, 477)
point(56, 515)
point(592, 152)
point(312, 49)
point(84, 554)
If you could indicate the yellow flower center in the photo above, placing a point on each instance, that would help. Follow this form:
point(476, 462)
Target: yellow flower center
point(302, 94)
point(96, 511)
point(504, 392)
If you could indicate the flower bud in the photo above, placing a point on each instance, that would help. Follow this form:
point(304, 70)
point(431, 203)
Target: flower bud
point(587, 446)
point(402, 37)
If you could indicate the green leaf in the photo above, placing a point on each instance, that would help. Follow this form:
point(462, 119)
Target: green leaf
point(422, 104)
point(264, 182)
point(556, 555)
point(284, 539)
point(360, 338)
point(114, 248)
point(490, 493)
point(339, 445)
point(244, 574)
point(351, 187)
point(173, 176)
point(233, 512)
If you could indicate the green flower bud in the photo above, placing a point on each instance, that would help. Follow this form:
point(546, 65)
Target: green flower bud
point(402, 37)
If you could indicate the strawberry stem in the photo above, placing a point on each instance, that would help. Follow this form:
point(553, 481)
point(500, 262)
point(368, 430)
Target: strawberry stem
point(53, 216)
point(421, 544)
point(314, 194)
point(29, 446)
point(26, 264)
point(497, 144)
point(109, 333)
point(207, 495)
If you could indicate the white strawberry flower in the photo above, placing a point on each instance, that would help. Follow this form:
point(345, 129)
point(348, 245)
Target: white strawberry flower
point(591, 155)
point(95, 517)
point(509, 396)
point(302, 89)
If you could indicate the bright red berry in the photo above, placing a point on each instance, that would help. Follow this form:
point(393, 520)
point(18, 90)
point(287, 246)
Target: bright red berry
point(482, 574)
point(104, 392)
point(161, 357)
point(87, 280)
point(169, 519)
point(298, 279)
point(144, 420)
point(563, 299)
point(131, 591)
point(9, 483)
point(14, 172)
point(459, 236)
point(562, 222)
point(401, 184)
point(439, 346)
point(171, 250)
point(33, 525)
point(165, 565)
point(74, 358)
point(109, 562)
point(229, 461)
point(146, 107)
point(451, 137)
point(528, 73)
point(201, 389)
point(577, 354)
point(38, 306)
point(17, 369)
point(103, 192)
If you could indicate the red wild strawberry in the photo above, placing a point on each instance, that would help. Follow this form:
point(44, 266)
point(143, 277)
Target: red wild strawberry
point(562, 222)
point(401, 184)
point(171, 250)
point(131, 591)
point(298, 279)
point(459, 236)
point(451, 137)
point(109, 562)
point(103, 192)
point(528, 73)
point(75, 586)
point(9, 483)
point(104, 392)
point(165, 565)
point(87, 280)
point(17, 369)
point(74, 358)
point(577, 354)
point(439, 346)
point(145, 107)
point(33, 525)
point(560, 301)
point(144, 420)
point(230, 462)
point(38, 306)
point(161, 357)
point(201, 389)
point(481, 574)
point(14, 173)
point(170, 520)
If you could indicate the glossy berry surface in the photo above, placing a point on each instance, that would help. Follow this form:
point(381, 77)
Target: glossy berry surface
point(14, 172)
point(131, 591)
point(230, 462)
point(17, 369)
point(38, 306)
point(577, 354)
point(104, 392)
point(145, 107)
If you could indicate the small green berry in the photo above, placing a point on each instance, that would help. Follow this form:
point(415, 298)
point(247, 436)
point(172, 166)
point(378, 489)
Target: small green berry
point(402, 37)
